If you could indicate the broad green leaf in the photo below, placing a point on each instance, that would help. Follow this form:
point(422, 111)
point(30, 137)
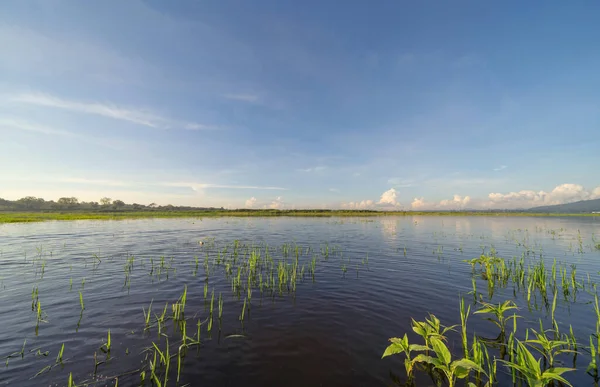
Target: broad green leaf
point(554, 374)
point(441, 350)
point(468, 364)
point(558, 370)
point(427, 359)
point(392, 349)
point(418, 347)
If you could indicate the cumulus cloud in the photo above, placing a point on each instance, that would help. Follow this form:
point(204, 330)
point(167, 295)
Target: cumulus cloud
point(458, 202)
point(418, 204)
point(251, 202)
point(564, 193)
point(277, 204)
point(362, 205)
point(389, 198)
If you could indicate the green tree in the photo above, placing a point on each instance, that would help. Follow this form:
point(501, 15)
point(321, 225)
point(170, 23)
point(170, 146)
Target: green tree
point(105, 201)
point(118, 204)
point(68, 202)
point(30, 203)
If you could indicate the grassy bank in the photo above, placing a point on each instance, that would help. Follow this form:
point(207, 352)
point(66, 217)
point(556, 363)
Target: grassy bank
point(19, 217)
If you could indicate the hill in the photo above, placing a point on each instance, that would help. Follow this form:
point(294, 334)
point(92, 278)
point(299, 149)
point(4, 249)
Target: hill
point(583, 206)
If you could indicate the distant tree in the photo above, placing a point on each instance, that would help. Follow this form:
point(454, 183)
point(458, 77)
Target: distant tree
point(105, 201)
point(30, 203)
point(68, 202)
point(152, 205)
point(137, 206)
point(118, 204)
point(94, 204)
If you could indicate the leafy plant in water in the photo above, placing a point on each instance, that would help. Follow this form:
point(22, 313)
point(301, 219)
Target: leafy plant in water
point(442, 363)
point(530, 369)
point(106, 346)
point(498, 311)
point(402, 346)
point(430, 328)
point(549, 349)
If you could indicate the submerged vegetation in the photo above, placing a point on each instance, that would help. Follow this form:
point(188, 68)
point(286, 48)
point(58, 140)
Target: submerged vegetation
point(512, 325)
point(530, 356)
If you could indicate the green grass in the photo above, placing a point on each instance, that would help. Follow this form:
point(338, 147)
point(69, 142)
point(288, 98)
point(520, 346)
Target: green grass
point(20, 217)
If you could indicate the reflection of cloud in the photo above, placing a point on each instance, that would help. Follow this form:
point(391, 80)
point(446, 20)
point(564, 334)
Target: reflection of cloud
point(389, 228)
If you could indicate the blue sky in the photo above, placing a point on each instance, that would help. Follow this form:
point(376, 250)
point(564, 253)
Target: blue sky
point(289, 104)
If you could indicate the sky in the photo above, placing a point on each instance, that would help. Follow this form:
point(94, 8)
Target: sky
point(301, 104)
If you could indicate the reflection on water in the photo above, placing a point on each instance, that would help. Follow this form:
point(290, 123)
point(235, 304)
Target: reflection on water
point(331, 331)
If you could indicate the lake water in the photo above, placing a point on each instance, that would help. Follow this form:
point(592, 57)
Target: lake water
point(371, 276)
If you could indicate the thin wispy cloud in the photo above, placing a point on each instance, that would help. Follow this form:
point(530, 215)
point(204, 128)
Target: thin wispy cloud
point(26, 126)
point(30, 127)
point(243, 97)
point(112, 183)
point(500, 168)
point(401, 183)
point(137, 116)
point(313, 169)
point(200, 186)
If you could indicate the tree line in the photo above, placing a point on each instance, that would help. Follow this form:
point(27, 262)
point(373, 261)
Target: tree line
point(32, 203)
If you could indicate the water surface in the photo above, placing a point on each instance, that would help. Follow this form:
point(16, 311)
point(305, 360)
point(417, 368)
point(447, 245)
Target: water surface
point(330, 331)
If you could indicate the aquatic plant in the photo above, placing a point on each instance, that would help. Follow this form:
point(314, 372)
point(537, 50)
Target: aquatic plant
point(530, 369)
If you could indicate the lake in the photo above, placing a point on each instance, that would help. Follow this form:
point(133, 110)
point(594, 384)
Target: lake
point(303, 301)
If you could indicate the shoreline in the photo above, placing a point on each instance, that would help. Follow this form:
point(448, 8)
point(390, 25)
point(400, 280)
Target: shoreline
point(27, 217)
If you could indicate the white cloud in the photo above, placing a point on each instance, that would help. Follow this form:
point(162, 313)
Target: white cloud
point(29, 127)
point(251, 202)
point(564, 193)
point(200, 186)
point(17, 124)
point(362, 205)
point(458, 202)
point(500, 168)
point(30, 52)
point(112, 183)
point(418, 204)
point(401, 183)
point(138, 116)
point(389, 197)
point(313, 169)
point(334, 190)
point(277, 204)
point(129, 183)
